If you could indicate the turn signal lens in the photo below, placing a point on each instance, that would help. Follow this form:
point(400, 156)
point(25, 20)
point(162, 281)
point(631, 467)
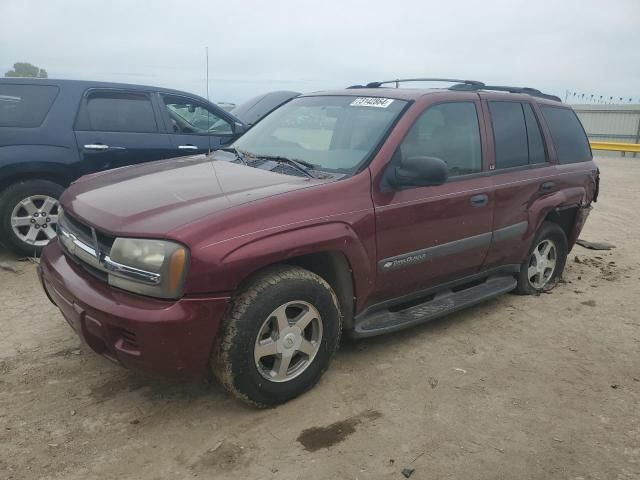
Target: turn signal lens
point(177, 265)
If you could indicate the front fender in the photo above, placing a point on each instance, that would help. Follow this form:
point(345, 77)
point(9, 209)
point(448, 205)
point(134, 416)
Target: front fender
point(227, 272)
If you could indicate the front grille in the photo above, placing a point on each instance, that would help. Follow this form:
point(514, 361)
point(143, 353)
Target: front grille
point(83, 232)
point(68, 227)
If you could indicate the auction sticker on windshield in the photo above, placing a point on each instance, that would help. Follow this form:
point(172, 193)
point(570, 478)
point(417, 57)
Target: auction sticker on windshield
point(372, 102)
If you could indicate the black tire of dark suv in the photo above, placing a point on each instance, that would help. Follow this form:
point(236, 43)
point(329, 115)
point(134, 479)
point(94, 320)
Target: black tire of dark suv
point(28, 215)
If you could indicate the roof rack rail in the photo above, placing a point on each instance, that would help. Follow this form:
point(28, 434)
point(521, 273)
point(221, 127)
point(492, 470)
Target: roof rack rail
point(464, 85)
point(402, 80)
point(534, 92)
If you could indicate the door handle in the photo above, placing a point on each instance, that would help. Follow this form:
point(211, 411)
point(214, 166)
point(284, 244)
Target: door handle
point(547, 186)
point(479, 200)
point(96, 146)
point(187, 147)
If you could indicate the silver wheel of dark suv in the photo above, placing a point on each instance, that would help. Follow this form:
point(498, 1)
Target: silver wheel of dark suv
point(29, 215)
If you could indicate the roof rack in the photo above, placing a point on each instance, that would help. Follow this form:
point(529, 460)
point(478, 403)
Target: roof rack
point(402, 80)
point(464, 85)
point(534, 92)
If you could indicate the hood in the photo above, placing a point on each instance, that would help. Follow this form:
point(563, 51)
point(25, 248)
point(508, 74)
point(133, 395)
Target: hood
point(157, 197)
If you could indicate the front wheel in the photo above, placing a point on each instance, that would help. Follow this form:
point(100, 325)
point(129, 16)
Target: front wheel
point(29, 215)
point(278, 337)
point(545, 262)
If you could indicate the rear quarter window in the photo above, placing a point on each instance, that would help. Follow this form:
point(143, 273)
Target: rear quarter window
point(117, 112)
point(568, 136)
point(25, 105)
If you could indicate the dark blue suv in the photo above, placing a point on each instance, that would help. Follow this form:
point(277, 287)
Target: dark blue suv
point(54, 131)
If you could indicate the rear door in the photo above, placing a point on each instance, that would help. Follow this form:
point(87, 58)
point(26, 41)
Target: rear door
point(430, 235)
point(521, 174)
point(116, 127)
point(195, 127)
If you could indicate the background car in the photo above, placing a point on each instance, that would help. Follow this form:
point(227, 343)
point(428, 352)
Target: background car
point(54, 131)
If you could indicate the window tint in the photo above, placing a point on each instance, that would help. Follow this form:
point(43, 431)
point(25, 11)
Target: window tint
point(568, 136)
point(534, 138)
point(25, 105)
point(510, 134)
point(448, 131)
point(188, 117)
point(117, 112)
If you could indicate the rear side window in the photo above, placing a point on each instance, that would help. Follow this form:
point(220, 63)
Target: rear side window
point(516, 134)
point(568, 135)
point(117, 112)
point(450, 132)
point(537, 153)
point(25, 105)
point(510, 134)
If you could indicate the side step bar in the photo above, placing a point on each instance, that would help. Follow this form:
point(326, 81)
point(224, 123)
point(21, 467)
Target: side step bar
point(442, 303)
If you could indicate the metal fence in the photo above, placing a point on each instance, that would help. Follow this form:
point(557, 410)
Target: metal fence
point(611, 123)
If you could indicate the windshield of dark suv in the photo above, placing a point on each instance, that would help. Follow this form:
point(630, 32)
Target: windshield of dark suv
point(328, 133)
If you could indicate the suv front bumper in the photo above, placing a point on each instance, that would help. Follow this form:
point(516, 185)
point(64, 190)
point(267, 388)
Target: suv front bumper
point(159, 337)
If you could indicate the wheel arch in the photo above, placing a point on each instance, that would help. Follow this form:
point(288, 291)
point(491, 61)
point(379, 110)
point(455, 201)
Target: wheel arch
point(56, 173)
point(333, 251)
point(564, 208)
point(334, 268)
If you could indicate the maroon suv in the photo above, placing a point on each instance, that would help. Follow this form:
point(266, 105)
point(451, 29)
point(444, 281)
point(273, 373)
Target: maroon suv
point(364, 210)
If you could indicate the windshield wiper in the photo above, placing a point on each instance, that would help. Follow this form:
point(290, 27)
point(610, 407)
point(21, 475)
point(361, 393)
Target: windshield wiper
point(240, 155)
point(302, 165)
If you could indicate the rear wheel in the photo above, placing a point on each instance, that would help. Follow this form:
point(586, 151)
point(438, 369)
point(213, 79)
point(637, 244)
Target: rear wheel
point(29, 215)
point(278, 337)
point(545, 263)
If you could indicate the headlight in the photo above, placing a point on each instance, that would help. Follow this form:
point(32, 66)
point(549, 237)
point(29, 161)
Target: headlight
point(156, 268)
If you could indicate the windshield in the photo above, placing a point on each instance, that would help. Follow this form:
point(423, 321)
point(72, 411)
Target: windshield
point(333, 133)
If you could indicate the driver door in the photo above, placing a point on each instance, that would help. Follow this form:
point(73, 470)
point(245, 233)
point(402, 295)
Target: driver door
point(193, 126)
point(430, 235)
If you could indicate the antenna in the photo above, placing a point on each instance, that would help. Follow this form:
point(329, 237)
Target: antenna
point(206, 54)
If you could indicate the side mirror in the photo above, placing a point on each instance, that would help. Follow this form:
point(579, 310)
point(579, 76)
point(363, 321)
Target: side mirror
point(417, 172)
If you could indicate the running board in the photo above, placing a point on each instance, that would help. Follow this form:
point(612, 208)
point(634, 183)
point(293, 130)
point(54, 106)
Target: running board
point(442, 303)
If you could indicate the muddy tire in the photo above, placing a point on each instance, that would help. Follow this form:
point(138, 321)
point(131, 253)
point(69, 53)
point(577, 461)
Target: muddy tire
point(20, 230)
point(545, 261)
point(279, 336)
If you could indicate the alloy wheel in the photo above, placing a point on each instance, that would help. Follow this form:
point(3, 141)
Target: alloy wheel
point(34, 219)
point(542, 264)
point(288, 341)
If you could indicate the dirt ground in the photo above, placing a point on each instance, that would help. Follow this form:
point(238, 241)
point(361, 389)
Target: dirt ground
point(517, 388)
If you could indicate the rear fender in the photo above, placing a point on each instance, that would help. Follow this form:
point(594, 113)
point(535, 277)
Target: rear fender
point(573, 197)
point(37, 161)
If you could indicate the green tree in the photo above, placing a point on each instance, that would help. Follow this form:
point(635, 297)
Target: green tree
point(24, 69)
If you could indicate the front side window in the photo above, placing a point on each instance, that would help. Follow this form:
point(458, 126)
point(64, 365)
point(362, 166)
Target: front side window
point(117, 112)
point(450, 132)
point(332, 133)
point(188, 117)
point(25, 105)
point(567, 133)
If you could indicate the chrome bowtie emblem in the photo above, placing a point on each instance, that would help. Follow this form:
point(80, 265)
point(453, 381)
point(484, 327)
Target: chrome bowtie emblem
point(96, 245)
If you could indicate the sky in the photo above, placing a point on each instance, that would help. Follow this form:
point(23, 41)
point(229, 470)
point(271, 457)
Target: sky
point(583, 46)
